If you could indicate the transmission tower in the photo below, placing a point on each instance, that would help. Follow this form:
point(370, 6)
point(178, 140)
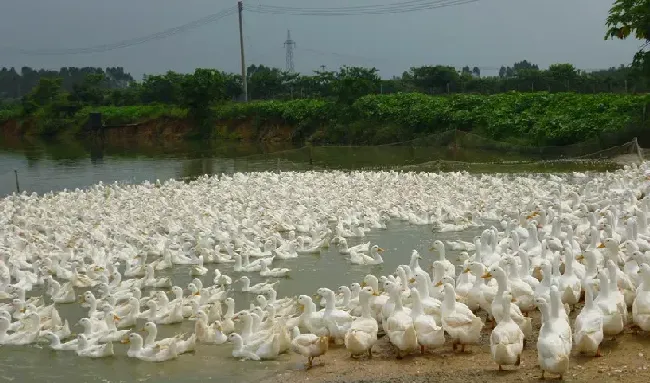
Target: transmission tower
point(289, 45)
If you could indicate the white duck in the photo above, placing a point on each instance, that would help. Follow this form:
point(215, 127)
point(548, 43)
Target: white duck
point(267, 348)
point(507, 339)
point(399, 325)
point(362, 334)
point(87, 350)
point(136, 350)
point(641, 304)
point(458, 320)
point(553, 346)
point(588, 325)
point(308, 345)
point(429, 333)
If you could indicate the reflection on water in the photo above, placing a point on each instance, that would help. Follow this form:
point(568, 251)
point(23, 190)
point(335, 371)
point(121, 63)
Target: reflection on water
point(45, 166)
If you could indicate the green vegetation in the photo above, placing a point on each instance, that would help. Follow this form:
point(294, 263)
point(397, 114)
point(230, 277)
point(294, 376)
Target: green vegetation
point(531, 118)
point(524, 104)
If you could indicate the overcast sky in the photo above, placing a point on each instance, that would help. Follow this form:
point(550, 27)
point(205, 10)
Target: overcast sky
point(487, 34)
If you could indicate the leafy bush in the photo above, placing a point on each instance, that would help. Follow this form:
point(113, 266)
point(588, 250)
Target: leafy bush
point(10, 114)
point(539, 118)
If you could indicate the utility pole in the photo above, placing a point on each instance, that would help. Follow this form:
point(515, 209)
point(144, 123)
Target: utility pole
point(289, 45)
point(244, 78)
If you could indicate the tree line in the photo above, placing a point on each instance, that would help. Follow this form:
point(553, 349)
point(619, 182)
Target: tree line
point(114, 86)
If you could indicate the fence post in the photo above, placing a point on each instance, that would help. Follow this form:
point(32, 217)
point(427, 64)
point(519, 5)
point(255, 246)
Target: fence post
point(17, 184)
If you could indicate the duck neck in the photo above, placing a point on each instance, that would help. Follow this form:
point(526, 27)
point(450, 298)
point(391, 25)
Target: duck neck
point(248, 327)
point(397, 299)
point(589, 297)
point(506, 303)
point(555, 304)
point(330, 304)
point(604, 287)
point(422, 285)
point(613, 278)
point(364, 301)
point(502, 282)
point(414, 262)
point(230, 310)
point(568, 263)
point(441, 253)
point(151, 336)
point(135, 345)
point(416, 309)
point(347, 294)
point(449, 300)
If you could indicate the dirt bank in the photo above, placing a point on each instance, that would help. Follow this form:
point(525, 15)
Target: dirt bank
point(625, 359)
point(168, 129)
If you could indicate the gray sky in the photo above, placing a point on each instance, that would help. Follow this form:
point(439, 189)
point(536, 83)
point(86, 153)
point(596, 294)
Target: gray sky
point(488, 34)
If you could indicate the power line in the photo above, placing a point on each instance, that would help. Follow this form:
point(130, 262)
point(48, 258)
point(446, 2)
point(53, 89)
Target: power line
point(402, 7)
point(130, 42)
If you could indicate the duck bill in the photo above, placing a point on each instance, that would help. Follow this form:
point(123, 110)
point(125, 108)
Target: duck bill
point(601, 245)
point(412, 280)
point(380, 250)
point(486, 276)
point(125, 341)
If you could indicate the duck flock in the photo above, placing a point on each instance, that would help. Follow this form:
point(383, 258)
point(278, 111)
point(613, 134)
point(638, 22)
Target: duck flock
point(548, 243)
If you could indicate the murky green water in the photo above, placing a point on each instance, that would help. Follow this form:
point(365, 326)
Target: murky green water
point(43, 167)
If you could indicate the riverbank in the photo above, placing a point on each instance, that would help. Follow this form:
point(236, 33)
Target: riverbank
point(536, 119)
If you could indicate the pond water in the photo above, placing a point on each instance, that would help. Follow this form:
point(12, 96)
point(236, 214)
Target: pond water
point(210, 362)
point(42, 167)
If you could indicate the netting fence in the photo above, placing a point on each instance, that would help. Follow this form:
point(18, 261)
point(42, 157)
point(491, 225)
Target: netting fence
point(457, 150)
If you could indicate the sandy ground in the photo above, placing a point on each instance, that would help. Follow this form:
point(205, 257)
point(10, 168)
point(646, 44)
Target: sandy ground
point(626, 358)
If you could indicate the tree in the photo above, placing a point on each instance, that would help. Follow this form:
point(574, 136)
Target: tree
point(502, 72)
point(476, 71)
point(165, 89)
point(202, 89)
point(562, 74)
point(48, 91)
point(354, 82)
point(433, 78)
point(632, 17)
point(521, 65)
point(465, 70)
point(265, 82)
point(91, 90)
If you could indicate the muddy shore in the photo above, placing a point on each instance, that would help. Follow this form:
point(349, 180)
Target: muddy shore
point(626, 358)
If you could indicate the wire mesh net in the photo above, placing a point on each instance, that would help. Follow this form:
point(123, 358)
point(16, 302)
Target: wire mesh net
point(454, 151)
